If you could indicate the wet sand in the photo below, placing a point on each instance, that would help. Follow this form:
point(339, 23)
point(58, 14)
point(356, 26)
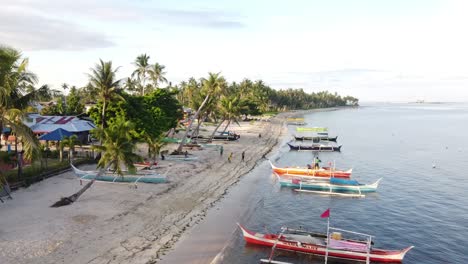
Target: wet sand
point(116, 223)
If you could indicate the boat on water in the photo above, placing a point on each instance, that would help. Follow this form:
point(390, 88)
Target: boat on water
point(332, 245)
point(147, 177)
point(322, 172)
point(313, 129)
point(331, 185)
point(317, 138)
point(314, 147)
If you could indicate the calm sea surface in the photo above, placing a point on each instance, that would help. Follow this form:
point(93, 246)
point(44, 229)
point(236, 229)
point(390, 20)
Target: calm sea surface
point(416, 204)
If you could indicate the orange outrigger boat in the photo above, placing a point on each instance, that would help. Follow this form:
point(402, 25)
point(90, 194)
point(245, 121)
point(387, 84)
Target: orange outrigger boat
point(322, 172)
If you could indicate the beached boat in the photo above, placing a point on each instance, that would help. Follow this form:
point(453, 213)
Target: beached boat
point(315, 243)
point(322, 172)
point(145, 165)
point(317, 138)
point(315, 147)
point(330, 185)
point(149, 177)
point(231, 136)
point(312, 129)
point(180, 158)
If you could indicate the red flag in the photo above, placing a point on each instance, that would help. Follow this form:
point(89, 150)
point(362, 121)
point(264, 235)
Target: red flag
point(296, 181)
point(326, 214)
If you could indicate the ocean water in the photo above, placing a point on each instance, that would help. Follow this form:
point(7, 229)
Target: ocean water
point(416, 204)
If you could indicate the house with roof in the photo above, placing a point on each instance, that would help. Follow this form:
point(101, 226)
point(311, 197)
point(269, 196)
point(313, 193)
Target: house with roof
point(41, 125)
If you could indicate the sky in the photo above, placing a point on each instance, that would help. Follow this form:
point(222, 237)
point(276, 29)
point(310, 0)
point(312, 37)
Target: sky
point(376, 50)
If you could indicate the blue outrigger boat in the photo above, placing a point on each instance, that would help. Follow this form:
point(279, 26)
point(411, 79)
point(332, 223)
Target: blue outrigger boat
point(331, 186)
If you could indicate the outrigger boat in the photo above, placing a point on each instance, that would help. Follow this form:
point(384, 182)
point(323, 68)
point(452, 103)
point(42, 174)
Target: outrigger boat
point(317, 138)
point(331, 186)
point(322, 172)
point(296, 121)
point(149, 177)
point(315, 147)
point(315, 243)
point(313, 129)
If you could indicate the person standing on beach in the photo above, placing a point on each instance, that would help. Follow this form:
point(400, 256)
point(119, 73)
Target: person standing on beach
point(230, 157)
point(221, 150)
point(243, 155)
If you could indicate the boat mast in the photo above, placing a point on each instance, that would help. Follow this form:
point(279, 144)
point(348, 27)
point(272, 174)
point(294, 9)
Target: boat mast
point(328, 239)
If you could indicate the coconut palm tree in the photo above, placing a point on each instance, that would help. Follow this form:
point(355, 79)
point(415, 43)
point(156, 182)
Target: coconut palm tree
point(142, 68)
point(156, 74)
point(13, 78)
point(211, 85)
point(69, 142)
point(154, 146)
point(118, 146)
point(103, 79)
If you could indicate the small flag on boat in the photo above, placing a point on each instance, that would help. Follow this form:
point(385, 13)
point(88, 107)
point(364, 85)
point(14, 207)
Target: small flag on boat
point(326, 214)
point(296, 181)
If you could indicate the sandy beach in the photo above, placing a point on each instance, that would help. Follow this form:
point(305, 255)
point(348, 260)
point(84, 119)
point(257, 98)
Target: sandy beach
point(118, 223)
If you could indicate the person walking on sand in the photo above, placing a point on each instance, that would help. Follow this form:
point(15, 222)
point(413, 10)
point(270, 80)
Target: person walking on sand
point(186, 154)
point(243, 155)
point(230, 157)
point(221, 150)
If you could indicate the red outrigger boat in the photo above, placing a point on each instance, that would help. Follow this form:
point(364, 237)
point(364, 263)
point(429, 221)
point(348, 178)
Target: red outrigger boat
point(322, 172)
point(313, 243)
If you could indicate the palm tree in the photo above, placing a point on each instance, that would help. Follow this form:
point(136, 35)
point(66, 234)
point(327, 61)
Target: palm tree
point(69, 142)
point(156, 74)
point(118, 145)
point(13, 78)
point(213, 84)
point(103, 79)
point(141, 72)
point(154, 146)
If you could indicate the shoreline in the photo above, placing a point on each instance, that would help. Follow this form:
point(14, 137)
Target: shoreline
point(112, 223)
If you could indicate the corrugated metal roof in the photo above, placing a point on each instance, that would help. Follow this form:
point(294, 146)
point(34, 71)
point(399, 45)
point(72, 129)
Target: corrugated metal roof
point(46, 124)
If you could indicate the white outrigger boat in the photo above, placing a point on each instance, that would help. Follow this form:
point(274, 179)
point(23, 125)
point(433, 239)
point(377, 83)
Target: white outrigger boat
point(145, 177)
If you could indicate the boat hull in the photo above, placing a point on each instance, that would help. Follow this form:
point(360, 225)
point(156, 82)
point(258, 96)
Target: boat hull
point(269, 240)
point(327, 186)
point(144, 177)
point(318, 138)
point(313, 172)
point(127, 178)
point(314, 148)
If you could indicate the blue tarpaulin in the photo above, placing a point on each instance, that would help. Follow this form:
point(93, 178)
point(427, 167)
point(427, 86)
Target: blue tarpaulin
point(56, 135)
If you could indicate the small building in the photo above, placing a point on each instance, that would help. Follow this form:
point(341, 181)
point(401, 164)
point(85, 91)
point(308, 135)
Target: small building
point(41, 125)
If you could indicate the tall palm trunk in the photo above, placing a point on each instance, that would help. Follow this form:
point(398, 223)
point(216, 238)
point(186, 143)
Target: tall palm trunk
point(72, 198)
point(229, 122)
point(103, 121)
point(216, 129)
point(197, 130)
point(182, 142)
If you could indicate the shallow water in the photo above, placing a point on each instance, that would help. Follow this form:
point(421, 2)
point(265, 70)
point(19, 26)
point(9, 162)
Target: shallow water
point(416, 204)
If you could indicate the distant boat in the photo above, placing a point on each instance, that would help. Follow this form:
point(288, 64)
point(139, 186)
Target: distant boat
point(331, 185)
point(321, 172)
point(312, 129)
point(129, 178)
point(314, 147)
point(317, 138)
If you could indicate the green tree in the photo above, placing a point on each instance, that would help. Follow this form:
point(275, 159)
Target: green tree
point(141, 71)
point(69, 142)
point(74, 104)
point(118, 146)
point(103, 79)
point(156, 74)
